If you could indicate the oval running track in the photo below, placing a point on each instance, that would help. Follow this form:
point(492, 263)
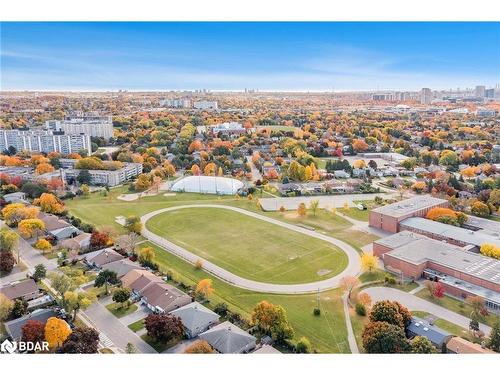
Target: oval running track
point(353, 266)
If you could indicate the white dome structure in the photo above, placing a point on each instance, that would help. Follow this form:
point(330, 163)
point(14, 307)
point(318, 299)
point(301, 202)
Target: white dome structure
point(208, 185)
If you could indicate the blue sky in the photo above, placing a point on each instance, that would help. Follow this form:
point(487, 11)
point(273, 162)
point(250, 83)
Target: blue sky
point(232, 56)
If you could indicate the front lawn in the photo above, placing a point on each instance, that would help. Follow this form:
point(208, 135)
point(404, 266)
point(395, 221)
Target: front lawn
point(120, 311)
point(159, 346)
point(136, 326)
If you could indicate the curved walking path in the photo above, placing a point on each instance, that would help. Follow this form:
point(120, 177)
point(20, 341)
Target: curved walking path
point(415, 303)
point(353, 266)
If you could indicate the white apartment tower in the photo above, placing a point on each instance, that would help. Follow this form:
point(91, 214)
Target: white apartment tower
point(426, 96)
point(95, 126)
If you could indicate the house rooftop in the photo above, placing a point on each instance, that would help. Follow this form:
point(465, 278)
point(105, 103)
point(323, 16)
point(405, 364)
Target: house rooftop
point(14, 327)
point(228, 338)
point(408, 206)
point(19, 289)
point(421, 327)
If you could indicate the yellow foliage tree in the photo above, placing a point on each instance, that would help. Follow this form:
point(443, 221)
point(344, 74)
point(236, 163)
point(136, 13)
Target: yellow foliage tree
point(43, 245)
point(30, 227)
point(209, 169)
point(44, 168)
point(49, 203)
point(359, 163)
point(56, 332)
point(369, 262)
point(15, 212)
point(490, 250)
point(302, 210)
point(205, 288)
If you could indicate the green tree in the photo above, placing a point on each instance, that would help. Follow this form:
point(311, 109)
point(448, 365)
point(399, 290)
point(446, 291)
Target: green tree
point(40, 272)
point(494, 340)
point(382, 337)
point(314, 206)
point(106, 277)
point(84, 177)
point(303, 346)
point(121, 295)
point(75, 301)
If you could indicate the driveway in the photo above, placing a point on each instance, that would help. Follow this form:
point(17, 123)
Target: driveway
point(418, 304)
point(353, 266)
point(180, 347)
point(139, 314)
point(256, 175)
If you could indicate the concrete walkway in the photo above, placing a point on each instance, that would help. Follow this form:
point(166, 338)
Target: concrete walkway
point(353, 346)
point(415, 303)
point(353, 266)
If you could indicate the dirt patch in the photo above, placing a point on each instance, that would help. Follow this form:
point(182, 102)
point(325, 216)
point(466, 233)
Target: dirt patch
point(323, 272)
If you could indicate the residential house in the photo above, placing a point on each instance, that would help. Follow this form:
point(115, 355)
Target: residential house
point(437, 336)
point(14, 327)
point(196, 318)
point(79, 242)
point(17, 197)
point(101, 257)
point(26, 290)
point(458, 345)
point(226, 338)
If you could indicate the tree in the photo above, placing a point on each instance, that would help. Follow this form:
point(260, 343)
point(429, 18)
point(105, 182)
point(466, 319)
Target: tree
point(480, 209)
point(56, 332)
point(121, 295)
point(49, 203)
point(7, 261)
point(15, 212)
point(438, 290)
point(474, 325)
point(198, 264)
point(348, 283)
point(19, 308)
point(302, 210)
point(314, 206)
point(75, 301)
point(6, 306)
point(359, 145)
point(43, 245)
point(478, 305)
point(364, 299)
point(33, 331)
point(130, 348)
point(382, 337)
point(494, 340)
point(84, 177)
point(83, 340)
point(61, 283)
point(391, 312)
point(199, 347)
point(221, 309)
point(205, 288)
point(8, 240)
point(40, 272)
point(271, 319)
point(490, 250)
point(369, 262)
point(128, 242)
point(303, 346)
point(146, 255)
point(106, 277)
point(85, 190)
point(31, 227)
point(422, 345)
point(143, 182)
point(99, 240)
point(133, 224)
point(163, 327)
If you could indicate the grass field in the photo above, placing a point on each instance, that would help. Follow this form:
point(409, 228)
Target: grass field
point(327, 333)
point(117, 310)
point(250, 247)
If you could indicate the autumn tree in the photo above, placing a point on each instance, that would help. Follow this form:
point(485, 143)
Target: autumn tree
point(75, 301)
point(205, 288)
point(480, 209)
point(15, 212)
point(133, 224)
point(364, 299)
point(99, 240)
point(348, 283)
point(61, 283)
point(490, 250)
point(33, 331)
point(271, 319)
point(391, 312)
point(314, 206)
point(143, 182)
point(422, 345)
point(369, 262)
point(303, 346)
point(302, 210)
point(199, 347)
point(163, 327)
point(44, 168)
point(43, 245)
point(438, 290)
point(382, 337)
point(56, 332)
point(359, 145)
point(49, 203)
point(7, 261)
point(83, 340)
point(31, 227)
point(146, 255)
point(6, 305)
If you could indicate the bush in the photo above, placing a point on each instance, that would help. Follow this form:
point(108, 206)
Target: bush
point(303, 346)
point(390, 280)
point(360, 309)
point(221, 309)
point(317, 311)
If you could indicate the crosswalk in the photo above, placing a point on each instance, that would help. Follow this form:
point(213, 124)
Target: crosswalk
point(105, 341)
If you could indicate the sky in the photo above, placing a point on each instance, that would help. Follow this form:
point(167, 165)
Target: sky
point(234, 56)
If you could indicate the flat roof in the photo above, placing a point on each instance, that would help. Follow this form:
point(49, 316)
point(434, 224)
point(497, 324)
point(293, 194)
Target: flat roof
point(450, 256)
point(408, 206)
point(476, 238)
point(398, 239)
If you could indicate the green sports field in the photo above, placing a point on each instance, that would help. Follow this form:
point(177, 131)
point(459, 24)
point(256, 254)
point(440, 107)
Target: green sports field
point(249, 247)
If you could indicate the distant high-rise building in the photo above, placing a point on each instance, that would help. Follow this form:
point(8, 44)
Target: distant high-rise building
point(480, 91)
point(176, 103)
point(426, 96)
point(44, 141)
point(95, 126)
point(204, 105)
point(489, 93)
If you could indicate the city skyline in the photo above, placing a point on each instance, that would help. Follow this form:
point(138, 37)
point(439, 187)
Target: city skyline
point(233, 56)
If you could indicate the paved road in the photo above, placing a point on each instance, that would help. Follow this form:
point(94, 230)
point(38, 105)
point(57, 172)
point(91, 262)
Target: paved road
point(114, 329)
point(418, 304)
point(256, 175)
point(353, 267)
point(351, 339)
